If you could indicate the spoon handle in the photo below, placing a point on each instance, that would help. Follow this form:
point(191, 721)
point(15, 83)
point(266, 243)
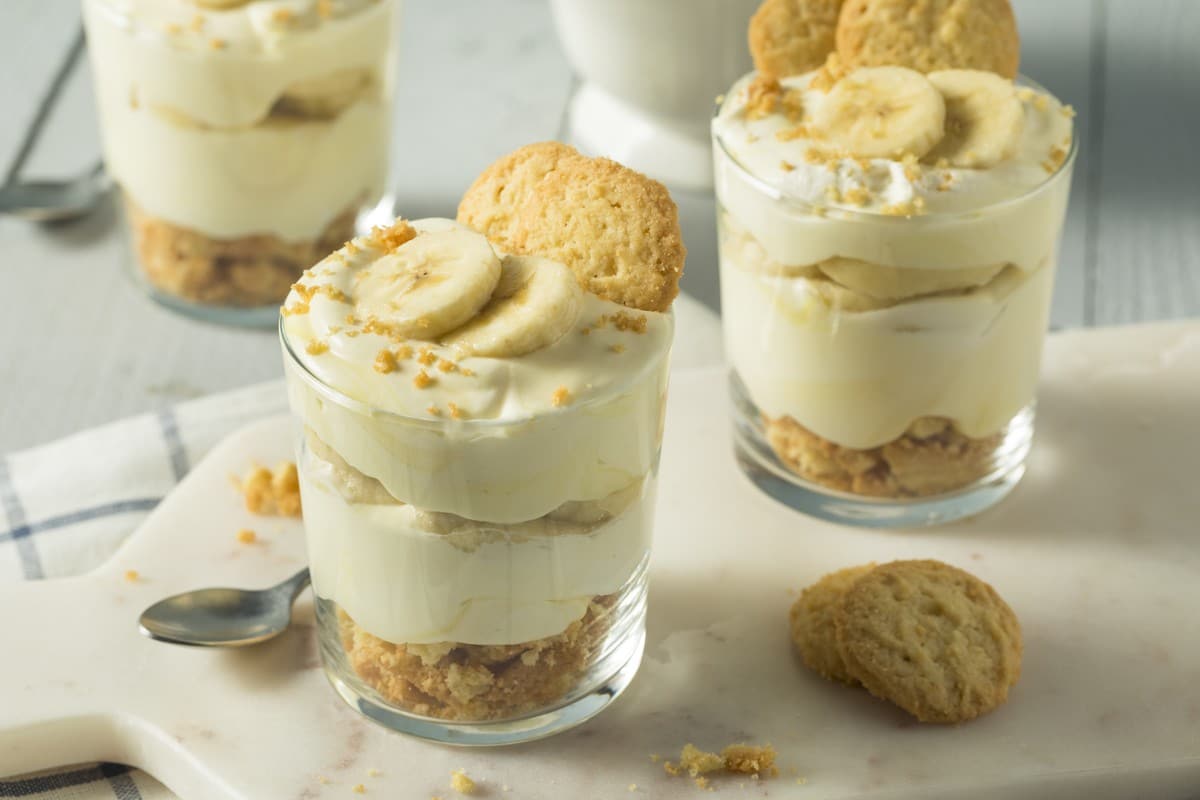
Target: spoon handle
point(293, 586)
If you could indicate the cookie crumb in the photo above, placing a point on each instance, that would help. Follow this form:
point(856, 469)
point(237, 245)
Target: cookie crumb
point(316, 347)
point(787, 166)
point(750, 759)
point(132, 576)
point(247, 536)
point(217, 44)
point(702, 783)
point(385, 362)
point(460, 783)
point(359, 789)
point(617, 348)
point(433, 411)
point(373, 773)
point(455, 411)
point(390, 238)
point(762, 97)
point(740, 759)
point(423, 380)
point(446, 365)
point(427, 357)
point(275, 492)
point(561, 397)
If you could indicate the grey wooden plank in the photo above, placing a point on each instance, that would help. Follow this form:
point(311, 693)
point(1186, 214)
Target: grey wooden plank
point(35, 36)
point(1056, 51)
point(1147, 237)
point(477, 79)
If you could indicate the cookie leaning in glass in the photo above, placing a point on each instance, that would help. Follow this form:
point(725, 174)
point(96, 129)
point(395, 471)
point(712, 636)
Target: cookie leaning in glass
point(246, 137)
point(888, 242)
point(481, 424)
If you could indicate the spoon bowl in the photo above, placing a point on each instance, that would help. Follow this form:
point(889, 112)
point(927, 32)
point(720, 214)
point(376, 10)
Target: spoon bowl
point(223, 617)
point(55, 201)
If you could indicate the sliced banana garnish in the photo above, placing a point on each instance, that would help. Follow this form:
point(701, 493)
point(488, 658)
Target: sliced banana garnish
point(430, 285)
point(535, 304)
point(327, 96)
point(984, 118)
point(882, 112)
point(898, 283)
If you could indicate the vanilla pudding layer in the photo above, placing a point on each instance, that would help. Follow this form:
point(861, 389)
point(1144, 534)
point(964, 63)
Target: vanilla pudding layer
point(408, 575)
point(268, 118)
point(858, 371)
point(927, 297)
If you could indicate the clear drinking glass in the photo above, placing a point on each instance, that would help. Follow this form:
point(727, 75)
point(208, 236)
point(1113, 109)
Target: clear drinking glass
point(885, 415)
point(464, 592)
point(246, 141)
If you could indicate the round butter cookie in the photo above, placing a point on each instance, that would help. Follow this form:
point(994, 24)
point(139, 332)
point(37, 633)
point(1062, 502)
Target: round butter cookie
point(929, 35)
point(615, 228)
point(791, 37)
point(931, 638)
point(812, 621)
point(493, 201)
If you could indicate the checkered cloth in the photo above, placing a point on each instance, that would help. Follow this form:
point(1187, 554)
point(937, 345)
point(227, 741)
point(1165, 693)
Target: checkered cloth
point(68, 505)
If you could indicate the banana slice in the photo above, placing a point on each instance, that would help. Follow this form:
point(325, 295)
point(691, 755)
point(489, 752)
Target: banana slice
point(882, 112)
point(984, 118)
point(535, 304)
point(898, 283)
point(430, 285)
point(327, 96)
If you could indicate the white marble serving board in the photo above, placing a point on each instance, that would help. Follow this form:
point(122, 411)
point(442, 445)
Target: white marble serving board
point(1097, 550)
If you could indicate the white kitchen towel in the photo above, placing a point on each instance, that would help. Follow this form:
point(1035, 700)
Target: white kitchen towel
point(68, 505)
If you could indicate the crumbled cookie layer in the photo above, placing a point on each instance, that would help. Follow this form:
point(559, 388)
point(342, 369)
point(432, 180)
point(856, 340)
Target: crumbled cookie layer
point(475, 683)
point(244, 272)
point(930, 458)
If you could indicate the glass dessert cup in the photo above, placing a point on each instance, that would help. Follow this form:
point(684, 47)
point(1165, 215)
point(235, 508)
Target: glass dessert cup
point(893, 412)
point(492, 624)
point(247, 143)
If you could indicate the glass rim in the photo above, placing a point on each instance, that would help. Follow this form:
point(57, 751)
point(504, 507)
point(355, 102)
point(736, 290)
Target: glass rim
point(365, 409)
point(848, 214)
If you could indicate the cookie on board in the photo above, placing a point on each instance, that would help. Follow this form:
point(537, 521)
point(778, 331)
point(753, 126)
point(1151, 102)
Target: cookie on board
point(812, 621)
point(931, 638)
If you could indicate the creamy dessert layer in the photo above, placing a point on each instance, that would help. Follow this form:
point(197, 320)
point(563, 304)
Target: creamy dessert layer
point(888, 243)
point(481, 436)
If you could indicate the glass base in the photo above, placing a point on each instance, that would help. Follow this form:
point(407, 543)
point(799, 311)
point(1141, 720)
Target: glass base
point(261, 317)
point(768, 472)
point(491, 734)
point(612, 660)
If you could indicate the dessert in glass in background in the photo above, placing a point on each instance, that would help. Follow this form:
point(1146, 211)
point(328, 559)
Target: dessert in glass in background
point(481, 423)
point(649, 70)
point(888, 242)
point(246, 136)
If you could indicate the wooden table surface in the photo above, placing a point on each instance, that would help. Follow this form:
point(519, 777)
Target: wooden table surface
point(79, 345)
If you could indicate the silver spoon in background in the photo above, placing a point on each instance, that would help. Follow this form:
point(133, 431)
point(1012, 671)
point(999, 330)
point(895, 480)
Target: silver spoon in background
point(55, 201)
point(224, 617)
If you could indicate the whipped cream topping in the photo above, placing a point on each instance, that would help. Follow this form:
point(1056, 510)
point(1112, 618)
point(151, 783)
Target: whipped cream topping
point(227, 67)
point(805, 203)
point(785, 154)
point(502, 439)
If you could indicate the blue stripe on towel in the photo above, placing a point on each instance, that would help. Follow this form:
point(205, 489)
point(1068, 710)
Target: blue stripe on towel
point(64, 780)
point(23, 532)
point(19, 532)
point(175, 449)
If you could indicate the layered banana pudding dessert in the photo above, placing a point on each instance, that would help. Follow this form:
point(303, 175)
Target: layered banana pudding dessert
point(481, 429)
point(888, 242)
point(246, 135)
